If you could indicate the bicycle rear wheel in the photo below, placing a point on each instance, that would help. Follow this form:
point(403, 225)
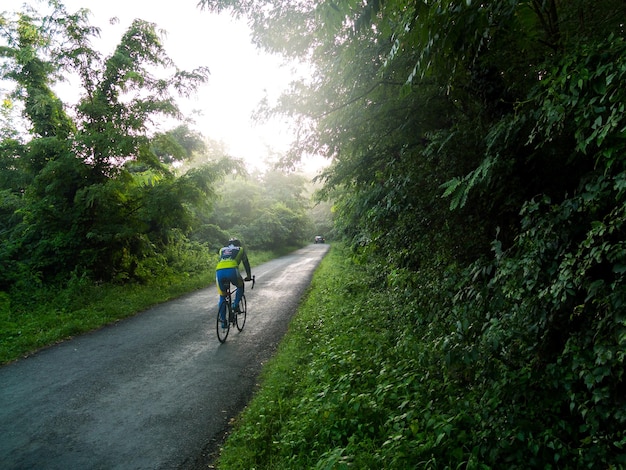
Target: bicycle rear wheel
point(241, 315)
point(223, 325)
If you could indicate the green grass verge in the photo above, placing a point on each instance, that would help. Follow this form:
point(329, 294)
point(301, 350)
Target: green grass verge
point(36, 319)
point(321, 404)
point(354, 384)
point(373, 374)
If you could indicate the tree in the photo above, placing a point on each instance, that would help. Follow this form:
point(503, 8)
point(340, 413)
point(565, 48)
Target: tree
point(178, 145)
point(268, 210)
point(477, 153)
point(94, 189)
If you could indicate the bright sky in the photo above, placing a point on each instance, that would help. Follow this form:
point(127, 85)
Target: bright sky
point(240, 74)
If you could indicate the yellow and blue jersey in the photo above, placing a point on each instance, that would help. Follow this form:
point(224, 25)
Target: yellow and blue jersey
point(231, 256)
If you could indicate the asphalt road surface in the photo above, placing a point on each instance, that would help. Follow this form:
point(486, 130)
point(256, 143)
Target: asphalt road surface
point(155, 391)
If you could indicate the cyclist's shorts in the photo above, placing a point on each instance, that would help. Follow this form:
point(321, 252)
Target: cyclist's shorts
point(225, 277)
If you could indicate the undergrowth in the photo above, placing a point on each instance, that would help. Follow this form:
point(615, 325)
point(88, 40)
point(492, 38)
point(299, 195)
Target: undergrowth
point(381, 369)
point(36, 316)
point(348, 386)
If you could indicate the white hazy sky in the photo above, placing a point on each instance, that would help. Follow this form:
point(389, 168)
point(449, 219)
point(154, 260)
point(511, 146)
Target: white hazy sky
point(240, 74)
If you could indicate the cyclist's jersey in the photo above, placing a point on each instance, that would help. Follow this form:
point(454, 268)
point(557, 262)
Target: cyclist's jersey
point(231, 256)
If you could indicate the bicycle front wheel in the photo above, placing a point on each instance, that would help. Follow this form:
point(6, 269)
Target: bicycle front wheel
point(223, 325)
point(241, 315)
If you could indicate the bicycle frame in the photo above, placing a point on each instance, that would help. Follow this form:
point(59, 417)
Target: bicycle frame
point(226, 315)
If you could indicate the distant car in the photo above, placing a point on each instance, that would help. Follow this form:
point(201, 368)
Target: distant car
point(319, 239)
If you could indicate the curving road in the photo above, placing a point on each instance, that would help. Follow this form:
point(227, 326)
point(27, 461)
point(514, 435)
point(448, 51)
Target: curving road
point(155, 391)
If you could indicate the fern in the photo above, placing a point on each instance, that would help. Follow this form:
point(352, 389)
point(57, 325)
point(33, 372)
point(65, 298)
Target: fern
point(458, 189)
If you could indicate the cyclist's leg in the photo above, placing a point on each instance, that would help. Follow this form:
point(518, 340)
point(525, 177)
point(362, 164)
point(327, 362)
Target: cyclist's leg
point(240, 289)
point(222, 278)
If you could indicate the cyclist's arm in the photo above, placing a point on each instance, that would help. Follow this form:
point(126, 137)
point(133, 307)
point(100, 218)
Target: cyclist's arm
point(246, 265)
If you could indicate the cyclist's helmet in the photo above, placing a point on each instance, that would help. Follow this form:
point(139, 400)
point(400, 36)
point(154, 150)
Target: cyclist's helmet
point(234, 241)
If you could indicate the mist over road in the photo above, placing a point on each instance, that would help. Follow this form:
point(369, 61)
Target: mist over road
point(154, 391)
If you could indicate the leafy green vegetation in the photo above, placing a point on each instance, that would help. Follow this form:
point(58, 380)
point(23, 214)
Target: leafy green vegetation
point(370, 376)
point(102, 212)
point(478, 166)
point(35, 318)
point(478, 175)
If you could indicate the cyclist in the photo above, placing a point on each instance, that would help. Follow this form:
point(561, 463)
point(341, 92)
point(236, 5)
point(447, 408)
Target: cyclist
point(227, 270)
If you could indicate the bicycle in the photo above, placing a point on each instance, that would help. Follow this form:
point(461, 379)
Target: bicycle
point(226, 316)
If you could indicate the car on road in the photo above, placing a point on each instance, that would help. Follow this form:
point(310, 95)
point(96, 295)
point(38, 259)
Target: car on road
point(319, 239)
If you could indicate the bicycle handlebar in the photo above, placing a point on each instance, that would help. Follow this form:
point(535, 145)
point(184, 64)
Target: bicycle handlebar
point(253, 281)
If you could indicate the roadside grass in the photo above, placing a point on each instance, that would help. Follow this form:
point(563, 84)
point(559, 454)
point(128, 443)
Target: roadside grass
point(36, 318)
point(359, 381)
point(341, 389)
point(385, 368)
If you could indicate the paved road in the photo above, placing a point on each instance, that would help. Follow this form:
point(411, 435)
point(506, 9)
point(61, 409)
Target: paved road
point(155, 391)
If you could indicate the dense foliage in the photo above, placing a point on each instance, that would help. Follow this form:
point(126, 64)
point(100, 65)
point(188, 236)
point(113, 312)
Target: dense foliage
point(96, 192)
point(478, 153)
point(269, 210)
point(84, 191)
point(96, 188)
